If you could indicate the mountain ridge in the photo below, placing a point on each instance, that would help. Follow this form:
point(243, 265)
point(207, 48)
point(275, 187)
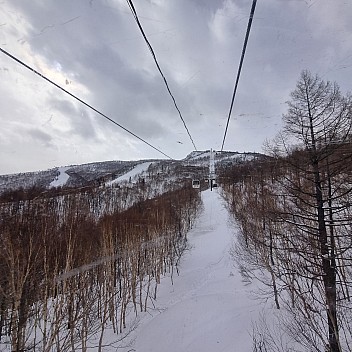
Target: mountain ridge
point(103, 172)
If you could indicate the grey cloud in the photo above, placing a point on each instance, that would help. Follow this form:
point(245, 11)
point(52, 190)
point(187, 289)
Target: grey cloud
point(79, 117)
point(98, 46)
point(41, 136)
point(66, 107)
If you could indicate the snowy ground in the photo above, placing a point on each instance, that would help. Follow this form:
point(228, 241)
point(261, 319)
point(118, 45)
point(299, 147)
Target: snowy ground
point(138, 169)
point(208, 308)
point(62, 178)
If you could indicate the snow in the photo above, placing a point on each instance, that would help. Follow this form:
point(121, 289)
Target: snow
point(197, 154)
point(209, 307)
point(138, 169)
point(60, 180)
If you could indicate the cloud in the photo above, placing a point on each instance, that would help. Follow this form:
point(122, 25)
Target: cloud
point(41, 136)
point(95, 50)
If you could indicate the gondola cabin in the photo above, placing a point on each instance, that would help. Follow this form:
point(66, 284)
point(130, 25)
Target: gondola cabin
point(195, 184)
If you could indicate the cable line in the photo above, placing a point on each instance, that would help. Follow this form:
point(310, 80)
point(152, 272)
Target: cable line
point(82, 101)
point(239, 68)
point(134, 13)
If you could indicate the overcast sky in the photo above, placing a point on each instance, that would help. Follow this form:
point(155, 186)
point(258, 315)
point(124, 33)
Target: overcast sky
point(94, 49)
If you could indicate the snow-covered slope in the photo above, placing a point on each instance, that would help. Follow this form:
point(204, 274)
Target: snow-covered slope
point(61, 179)
point(109, 172)
point(137, 170)
point(70, 176)
point(209, 308)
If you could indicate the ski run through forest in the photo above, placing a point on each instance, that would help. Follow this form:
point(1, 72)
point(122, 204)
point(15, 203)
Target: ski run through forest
point(209, 307)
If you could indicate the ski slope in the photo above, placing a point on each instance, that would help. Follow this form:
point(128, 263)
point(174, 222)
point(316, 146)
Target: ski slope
point(138, 169)
point(62, 178)
point(209, 307)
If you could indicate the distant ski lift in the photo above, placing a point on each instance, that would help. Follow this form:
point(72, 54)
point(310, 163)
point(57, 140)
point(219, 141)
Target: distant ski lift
point(213, 183)
point(196, 184)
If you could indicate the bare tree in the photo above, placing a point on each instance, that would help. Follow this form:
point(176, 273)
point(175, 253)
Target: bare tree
point(296, 212)
point(321, 118)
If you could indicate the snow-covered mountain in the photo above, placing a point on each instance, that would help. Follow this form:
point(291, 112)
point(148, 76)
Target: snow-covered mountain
point(194, 165)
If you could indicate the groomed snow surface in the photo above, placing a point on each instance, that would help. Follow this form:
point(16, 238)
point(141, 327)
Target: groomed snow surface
point(138, 169)
point(209, 308)
point(62, 178)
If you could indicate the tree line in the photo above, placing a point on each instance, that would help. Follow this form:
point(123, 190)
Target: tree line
point(75, 264)
point(293, 211)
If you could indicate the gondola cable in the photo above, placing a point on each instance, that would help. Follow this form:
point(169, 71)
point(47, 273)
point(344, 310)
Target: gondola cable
point(134, 13)
point(82, 101)
point(239, 69)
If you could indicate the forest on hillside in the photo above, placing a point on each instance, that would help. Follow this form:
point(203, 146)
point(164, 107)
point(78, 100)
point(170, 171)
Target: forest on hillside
point(293, 211)
point(78, 264)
